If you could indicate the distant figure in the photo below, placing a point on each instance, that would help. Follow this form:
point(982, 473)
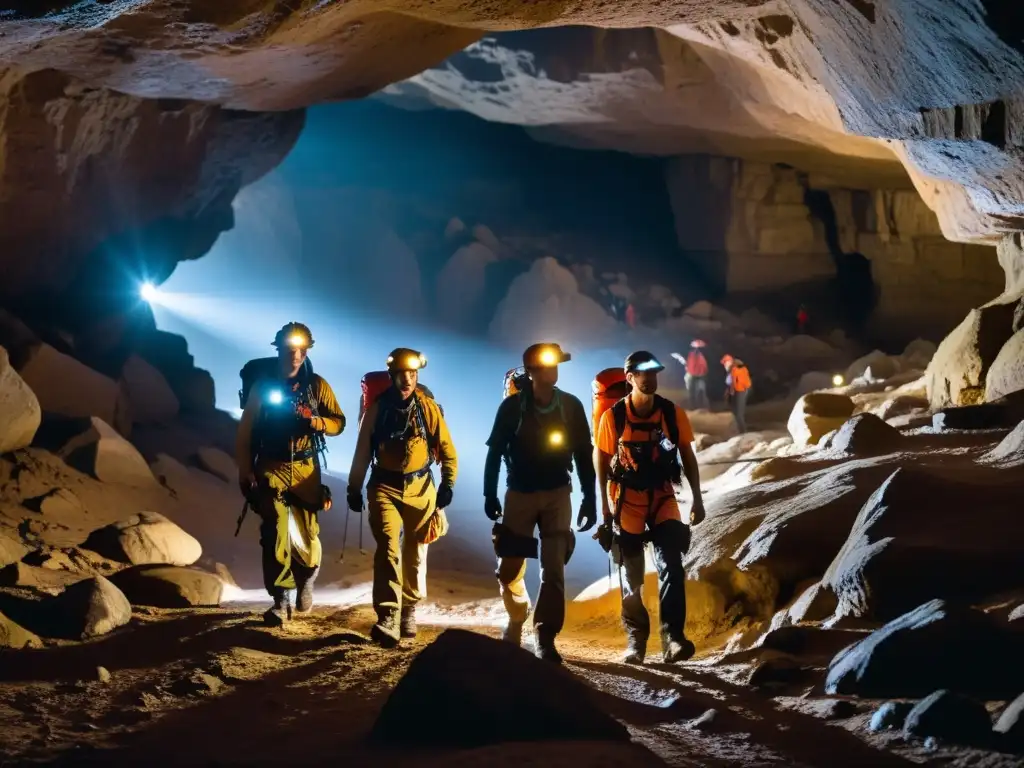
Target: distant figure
point(737, 389)
point(631, 316)
point(801, 319)
point(696, 376)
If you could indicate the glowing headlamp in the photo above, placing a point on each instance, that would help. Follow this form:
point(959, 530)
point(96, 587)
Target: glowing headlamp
point(409, 362)
point(556, 438)
point(548, 357)
point(649, 365)
point(148, 292)
point(838, 380)
point(275, 397)
point(297, 340)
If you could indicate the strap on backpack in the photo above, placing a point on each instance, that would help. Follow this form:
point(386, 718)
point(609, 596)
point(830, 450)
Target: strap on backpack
point(668, 414)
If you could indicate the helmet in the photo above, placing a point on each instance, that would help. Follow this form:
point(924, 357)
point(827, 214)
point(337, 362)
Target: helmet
point(294, 335)
point(544, 355)
point(727, 360)
point(697, 343)
point(643, 361)
point(405, 359)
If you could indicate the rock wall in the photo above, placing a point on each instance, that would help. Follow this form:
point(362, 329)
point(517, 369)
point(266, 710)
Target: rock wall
point(757, 227)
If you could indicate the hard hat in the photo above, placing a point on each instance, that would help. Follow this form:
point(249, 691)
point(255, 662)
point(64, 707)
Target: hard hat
point(294, 335)
point(697, 343)
point(643, 361)
point(405, 359)
point(544, 355)
point(727, 359)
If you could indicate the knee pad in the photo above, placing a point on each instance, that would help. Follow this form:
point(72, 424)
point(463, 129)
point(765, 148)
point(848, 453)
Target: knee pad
point(508, 544)
point(671, 536)
point(631, 544)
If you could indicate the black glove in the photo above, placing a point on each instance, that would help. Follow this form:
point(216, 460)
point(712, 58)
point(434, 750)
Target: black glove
point(492, 508)
point(355, 499)
point(444, 496)
point(588, 514)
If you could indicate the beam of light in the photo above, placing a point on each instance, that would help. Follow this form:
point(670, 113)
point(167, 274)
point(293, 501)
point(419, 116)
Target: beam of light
point(149, 293)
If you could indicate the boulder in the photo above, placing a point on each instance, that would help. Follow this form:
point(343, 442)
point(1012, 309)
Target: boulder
point(147, 538)
point(89, 608)
point(918, 354)
point(468, 690)
point(881, 365)
point(986, 416)
point(902, 405)
point(151, 397)
point(483, 235)
point(812, 381)
point(865, 435)
point(1011, 724)
point(69, 388)
point(1006, 375)
point(34, 576)
point(903, 541)
point(100, 452)
point(57, 503)
point(217, 462)
point(195, 391)
point(1010, 451)
point(949, 717)
point(937, 645)
point(957, 373)
point(169, 586)
point(20, 413)
point(817, 414)
point(11, 547)
point(14, 636)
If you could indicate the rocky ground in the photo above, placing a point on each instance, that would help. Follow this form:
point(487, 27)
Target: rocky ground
point(856, 596)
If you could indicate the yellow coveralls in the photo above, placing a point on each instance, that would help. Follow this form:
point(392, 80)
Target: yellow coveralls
point(401, 504)
point(288, 532)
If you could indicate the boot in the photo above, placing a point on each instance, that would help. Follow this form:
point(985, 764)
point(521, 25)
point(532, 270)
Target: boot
point(513, 633)
point(678, 650)
point(636, 650)
point(408, 622)
point(546, 650)
point(386, 632)
point(281, 611)
point(304, 584)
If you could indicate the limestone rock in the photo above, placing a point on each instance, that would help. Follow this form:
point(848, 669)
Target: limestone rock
point(67, 387)
point(881, 366)
point(147, 538)
point(865, 435)
point(957, 373)
point(949, 717)
point(169, 586)
point(890, 716)
point(151, 397)
point(57, 503)
point(1010, 451)
point(470, 668)
point(816, 414)
point(467, 268)
point(11, 547)
point(217, 462)
point(49, 580)
point(1011, 723)
point(98, 451)
point(194, 389)
point(813, 381)
point(920, 516)
point(20, 414)
point(1007, 372)
point(918, 354)
point(14, 636)
point(902, 405)
point(701, 310)
point(90, 608)
point(936, 645)
point(984, 416)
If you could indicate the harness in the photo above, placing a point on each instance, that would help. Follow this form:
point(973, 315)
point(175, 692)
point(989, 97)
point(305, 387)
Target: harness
point(270, 432)
point(528, 407)
point(402, 420)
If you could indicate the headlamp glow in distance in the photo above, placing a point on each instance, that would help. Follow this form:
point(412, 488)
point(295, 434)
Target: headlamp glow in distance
point(838, 380)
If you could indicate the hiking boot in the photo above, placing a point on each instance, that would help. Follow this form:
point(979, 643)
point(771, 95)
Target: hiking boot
point(281, 611)
point(546, 650)
point(636, 650)
point(513, 633)
point(386, 632)
point(304, 602)
point(408, 622)
point(678, 650)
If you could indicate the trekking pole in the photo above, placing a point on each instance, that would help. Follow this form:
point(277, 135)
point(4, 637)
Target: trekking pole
point(344, 537)
point(361, 550)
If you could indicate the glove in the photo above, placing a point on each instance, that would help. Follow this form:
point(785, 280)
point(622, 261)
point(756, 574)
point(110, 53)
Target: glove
point(587, 517)
point(492, 508)
point(444, 496)
point(355, 499)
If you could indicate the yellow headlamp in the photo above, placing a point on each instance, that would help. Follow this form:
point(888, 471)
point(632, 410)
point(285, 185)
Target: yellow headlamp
point(406, 360)
point(297, 340)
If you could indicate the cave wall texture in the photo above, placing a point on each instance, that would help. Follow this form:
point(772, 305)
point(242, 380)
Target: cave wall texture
point(136, 122)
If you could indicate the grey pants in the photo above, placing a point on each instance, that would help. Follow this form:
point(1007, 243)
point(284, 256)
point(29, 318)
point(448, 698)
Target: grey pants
point(697, 392)
point(739, 410)
point(671, 540)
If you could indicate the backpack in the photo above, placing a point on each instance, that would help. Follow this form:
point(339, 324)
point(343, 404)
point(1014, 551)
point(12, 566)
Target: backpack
point(516, 380)
point(609, 386)
point(644, 472)
point(374, 384)
point(517, 383)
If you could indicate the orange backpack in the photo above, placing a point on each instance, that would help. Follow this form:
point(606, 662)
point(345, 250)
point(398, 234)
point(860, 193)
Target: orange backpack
point(609, 386)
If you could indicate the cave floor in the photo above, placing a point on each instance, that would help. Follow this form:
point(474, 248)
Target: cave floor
point(215, 687)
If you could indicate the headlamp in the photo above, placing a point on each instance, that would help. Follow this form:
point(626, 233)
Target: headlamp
point(556, 438)
point(649, 365)
point(548, 357)
point(838, 380)
point(275, 397)
point(410, 362)
point(297, 340)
